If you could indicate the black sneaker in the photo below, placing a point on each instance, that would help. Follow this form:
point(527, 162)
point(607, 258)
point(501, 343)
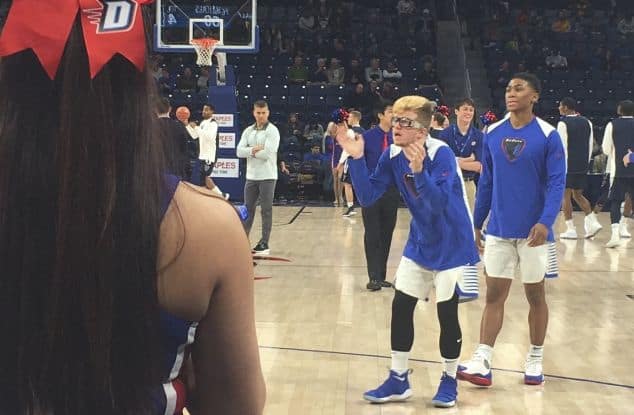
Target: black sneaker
point(374, 285)
point(385, 284)
point(262, 248)
point(350, 212)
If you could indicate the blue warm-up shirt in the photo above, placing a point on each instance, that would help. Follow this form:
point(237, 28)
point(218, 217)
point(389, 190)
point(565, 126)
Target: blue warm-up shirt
point(441, 234)
point(373, 147)
point(523, 179)
point(463, 145)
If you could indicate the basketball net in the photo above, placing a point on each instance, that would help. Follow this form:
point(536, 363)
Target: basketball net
point(205, 48)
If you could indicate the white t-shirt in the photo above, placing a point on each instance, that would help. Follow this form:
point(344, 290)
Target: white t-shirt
point(206, 133)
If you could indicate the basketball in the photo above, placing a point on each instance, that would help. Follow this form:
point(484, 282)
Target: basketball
point(183, 114)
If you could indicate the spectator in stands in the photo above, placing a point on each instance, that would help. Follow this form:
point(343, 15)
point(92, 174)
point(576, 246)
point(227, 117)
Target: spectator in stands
point(320, 74)
point(354, 73)
point(358, 99)
point(335, 72)
point(374, 94)
point(323, 17)
point(561, 24)
point(203, 80)
point(428, 76)
point(602, 59)
point(388, 92)
point(392, 73)
point(307, 22)
point(155, 69)
point(165, 82)
point(295, 126)
point(186, 82)
point(339, 50)
point(315, 154)
point(313, 130)
point(556, 61)
point(504, 74)
point(405, 8)
point(425, 34)
point(297, 73)
point(373, 72)
point(626, 25)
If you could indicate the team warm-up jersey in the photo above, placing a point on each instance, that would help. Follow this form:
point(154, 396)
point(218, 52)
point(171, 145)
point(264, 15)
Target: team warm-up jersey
point(441, 231)
point(577, 138)
point(523, 179)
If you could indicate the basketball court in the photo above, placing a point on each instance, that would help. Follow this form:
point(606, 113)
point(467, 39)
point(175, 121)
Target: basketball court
point(324, 339)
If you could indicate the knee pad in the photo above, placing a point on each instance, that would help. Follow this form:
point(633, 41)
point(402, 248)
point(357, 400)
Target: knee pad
point(450, 333)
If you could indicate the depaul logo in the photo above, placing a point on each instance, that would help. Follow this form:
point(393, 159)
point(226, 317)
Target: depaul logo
point(114, 15)
point(513, 147)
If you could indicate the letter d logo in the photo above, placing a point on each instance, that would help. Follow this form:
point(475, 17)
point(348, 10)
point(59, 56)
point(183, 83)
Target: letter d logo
point(118, 15)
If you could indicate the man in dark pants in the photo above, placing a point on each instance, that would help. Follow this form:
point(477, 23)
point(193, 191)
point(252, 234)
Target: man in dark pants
point(618, 140)
point(578, 139)
point(175, 138)
point(380, 218)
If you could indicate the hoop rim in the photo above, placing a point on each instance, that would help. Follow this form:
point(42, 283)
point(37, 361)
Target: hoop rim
point(205, 42)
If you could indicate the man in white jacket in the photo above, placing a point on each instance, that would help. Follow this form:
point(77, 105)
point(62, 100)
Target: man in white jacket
point(207, 135)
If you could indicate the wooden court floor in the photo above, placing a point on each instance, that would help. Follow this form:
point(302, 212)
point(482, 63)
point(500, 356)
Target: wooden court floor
point(324, 339)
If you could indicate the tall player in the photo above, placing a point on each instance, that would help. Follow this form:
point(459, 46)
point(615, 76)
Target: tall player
point(522, 183)
point(576, 134)
point(618, 139)
point(440, 247)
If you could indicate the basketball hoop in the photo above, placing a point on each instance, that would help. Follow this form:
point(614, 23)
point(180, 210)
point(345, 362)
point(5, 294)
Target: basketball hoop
point(204, 49)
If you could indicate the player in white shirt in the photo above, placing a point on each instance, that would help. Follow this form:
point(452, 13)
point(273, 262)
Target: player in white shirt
point(207, 133)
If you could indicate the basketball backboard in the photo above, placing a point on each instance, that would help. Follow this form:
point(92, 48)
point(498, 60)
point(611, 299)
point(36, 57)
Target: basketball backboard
point(232, 22)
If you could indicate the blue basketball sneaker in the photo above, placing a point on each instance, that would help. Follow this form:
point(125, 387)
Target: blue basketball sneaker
point(395, 388)
point(447, 392)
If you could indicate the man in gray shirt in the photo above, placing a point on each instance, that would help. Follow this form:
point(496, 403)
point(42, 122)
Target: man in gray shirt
point(258, 145)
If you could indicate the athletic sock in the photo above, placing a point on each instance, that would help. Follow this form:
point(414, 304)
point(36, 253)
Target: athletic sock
point(400, 362)
point(350, 204)
point(536, 352)
point(570, 224)
point(450, 366)
point(485, 351)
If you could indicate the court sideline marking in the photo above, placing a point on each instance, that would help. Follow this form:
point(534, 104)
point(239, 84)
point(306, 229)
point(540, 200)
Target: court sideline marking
point(583, 380)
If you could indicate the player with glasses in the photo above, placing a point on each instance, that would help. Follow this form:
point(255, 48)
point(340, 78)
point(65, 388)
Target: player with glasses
point(440, 248)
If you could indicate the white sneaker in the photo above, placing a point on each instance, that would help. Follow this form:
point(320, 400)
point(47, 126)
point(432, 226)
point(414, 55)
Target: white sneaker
point(623, 232)
point(477, 371)
point(615, 240)
point(533, 373)
point(591, 225)
point(569, 234)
